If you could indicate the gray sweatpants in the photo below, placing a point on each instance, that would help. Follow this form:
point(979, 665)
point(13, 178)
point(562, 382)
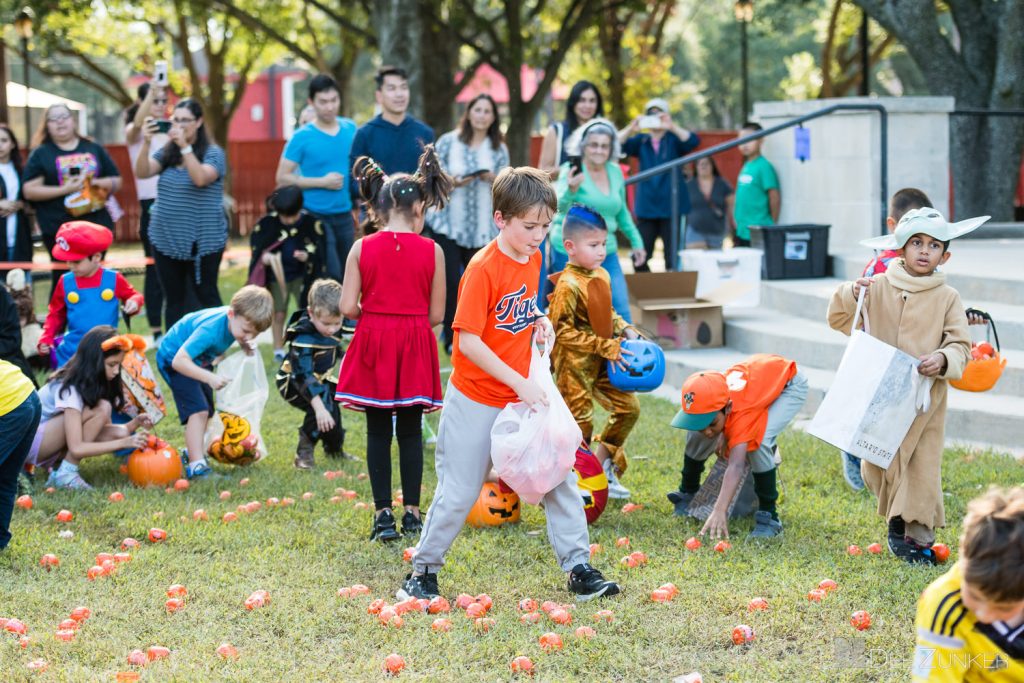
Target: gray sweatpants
point(462, 462)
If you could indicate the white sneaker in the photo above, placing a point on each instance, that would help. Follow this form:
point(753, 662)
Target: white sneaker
point(615, 488)
point(66, 480)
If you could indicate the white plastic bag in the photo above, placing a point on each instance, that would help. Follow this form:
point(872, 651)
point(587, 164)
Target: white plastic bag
point(233, 435)
point(534, 451)
point(876, 395)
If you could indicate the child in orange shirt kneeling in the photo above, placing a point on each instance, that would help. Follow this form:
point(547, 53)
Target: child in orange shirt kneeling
point(738, 415)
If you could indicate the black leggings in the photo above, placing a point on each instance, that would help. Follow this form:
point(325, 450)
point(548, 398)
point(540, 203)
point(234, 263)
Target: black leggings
point(408, 427)
point(182, 294)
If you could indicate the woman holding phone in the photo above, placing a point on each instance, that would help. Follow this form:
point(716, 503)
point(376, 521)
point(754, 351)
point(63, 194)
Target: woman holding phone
point(598, 184)
point(58, 166)
point(151, 103)
point(188, 228)
point(472, 154)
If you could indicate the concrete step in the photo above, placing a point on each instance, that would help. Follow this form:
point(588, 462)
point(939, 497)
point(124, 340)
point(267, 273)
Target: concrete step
point(809, 299)
point(980, 269)
point(972, 419)
point(814, 344)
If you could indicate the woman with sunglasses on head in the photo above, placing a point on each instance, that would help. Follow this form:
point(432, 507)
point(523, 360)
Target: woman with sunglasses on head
point(188, 227)
point(151, 103)
point(598, 183)
point(61, 163)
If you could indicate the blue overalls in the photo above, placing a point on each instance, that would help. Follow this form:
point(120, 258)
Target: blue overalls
point(86, 308)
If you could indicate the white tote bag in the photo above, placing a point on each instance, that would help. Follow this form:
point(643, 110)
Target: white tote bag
point(875, 397)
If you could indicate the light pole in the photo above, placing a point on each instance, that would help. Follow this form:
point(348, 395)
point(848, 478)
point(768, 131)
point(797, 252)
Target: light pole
point(23, 25)
point(744, 12)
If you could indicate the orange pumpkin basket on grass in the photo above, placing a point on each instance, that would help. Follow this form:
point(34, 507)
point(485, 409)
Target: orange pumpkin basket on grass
point(986, 364)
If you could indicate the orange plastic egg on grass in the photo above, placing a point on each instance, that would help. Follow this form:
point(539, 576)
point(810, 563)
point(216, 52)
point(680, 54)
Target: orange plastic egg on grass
point(522, 665)
point(550, 642)
point(393, 664)
point(227, 651)
point(157, 652)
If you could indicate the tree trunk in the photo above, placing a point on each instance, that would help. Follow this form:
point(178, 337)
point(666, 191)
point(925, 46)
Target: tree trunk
point(440, 60)
point(610, 31)
point(399, 36)
point(984, 70)
point(520, 126)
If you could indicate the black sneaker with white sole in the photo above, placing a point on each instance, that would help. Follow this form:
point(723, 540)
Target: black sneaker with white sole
point(423, 587)
point(587, 582)
point(897, 531)
point(384, 528)
point(912, 552)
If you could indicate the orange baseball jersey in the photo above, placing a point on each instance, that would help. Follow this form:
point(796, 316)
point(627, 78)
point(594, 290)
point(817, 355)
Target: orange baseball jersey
point(497, 302)
point(754, 385)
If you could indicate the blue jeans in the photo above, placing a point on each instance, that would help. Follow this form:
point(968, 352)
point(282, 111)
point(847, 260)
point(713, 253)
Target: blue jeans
point(17, 429)
point(620, 294)
point(544, 287)
point(339, 236)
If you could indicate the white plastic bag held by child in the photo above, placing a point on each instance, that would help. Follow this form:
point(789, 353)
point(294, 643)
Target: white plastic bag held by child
point(533, 451)
point(234, 438)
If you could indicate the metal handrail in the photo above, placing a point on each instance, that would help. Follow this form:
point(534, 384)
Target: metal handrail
point(710, 151)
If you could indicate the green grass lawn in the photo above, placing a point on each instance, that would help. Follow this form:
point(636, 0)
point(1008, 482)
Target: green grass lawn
point(303, 553)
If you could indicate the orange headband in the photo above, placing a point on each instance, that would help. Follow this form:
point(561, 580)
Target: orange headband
point(124, 342)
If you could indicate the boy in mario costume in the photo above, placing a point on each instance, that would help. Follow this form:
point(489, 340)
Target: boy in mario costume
point(87, 295)
point(738, 415)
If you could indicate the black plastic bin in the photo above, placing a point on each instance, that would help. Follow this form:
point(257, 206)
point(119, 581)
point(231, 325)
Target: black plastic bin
point(792, 251)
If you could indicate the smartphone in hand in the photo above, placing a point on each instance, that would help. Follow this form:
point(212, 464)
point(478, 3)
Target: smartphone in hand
point(163, 126)
point(575, 164)
point(160, 73)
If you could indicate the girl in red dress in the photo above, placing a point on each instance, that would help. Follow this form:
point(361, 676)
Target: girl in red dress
point(394, 286)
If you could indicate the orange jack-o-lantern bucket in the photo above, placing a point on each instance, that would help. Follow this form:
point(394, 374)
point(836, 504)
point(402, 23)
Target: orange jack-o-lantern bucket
point(494, 507)
point(986, 364)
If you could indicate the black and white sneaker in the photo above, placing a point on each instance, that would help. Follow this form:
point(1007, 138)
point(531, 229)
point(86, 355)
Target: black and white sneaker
point(587, 582)
point(411, 524)
point(384, 528)
point(897, 531)
point(423, 587)
point(912, 552)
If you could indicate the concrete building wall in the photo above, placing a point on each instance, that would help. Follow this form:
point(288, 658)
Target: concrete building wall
point(840, 184)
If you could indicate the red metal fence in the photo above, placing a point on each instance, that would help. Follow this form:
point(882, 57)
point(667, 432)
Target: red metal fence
point(253, 164)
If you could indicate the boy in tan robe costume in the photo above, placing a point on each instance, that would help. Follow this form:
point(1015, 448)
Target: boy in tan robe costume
point(921, 315)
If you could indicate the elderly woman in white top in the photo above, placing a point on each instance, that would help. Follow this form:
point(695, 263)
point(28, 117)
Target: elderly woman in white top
point(472, 154)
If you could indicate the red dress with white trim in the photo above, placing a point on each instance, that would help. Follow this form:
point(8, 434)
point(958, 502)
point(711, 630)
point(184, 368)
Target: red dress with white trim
point(392, 360)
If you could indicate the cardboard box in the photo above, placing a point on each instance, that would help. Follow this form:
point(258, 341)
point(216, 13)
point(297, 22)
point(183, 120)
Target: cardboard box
point(666, 306)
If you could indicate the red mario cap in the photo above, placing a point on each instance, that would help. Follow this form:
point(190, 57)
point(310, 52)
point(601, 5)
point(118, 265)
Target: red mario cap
point(77, 240)
point(704, 394)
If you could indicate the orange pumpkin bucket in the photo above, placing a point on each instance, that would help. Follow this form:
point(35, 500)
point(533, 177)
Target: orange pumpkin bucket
point(986, 364)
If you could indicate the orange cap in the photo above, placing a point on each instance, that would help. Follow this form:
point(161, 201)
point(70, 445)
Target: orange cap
point(703, 395)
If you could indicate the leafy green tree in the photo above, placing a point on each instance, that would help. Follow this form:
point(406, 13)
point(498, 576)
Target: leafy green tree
point(516, 32)
point(328, 35)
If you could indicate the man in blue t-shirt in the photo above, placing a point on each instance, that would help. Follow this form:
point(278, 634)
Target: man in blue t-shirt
point(665, 141)
point(317, 160)
point(393, 138)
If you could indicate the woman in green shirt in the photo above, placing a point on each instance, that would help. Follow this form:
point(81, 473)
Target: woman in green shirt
point(600, 185)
